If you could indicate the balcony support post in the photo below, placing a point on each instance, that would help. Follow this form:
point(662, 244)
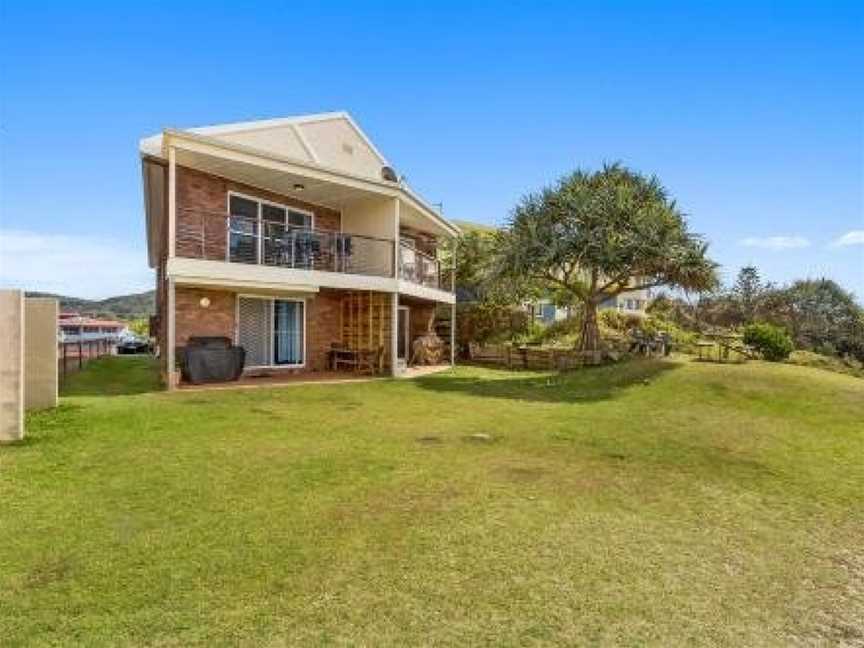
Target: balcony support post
point(394, 334)
point(170, 361)
point(453, 334)
point(172, 202)
point(394, 311)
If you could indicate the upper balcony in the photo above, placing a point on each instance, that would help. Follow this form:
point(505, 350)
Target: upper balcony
point(418, 267)
point(214, 236)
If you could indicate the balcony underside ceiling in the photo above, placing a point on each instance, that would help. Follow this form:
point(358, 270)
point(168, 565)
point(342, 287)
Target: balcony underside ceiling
point(315, 190)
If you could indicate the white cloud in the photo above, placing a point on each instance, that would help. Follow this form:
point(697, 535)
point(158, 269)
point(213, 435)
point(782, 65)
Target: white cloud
point(77, 265)
point(852, 237)
point(776, 242)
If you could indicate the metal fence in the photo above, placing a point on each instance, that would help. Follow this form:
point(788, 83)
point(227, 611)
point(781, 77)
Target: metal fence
point(72, 356)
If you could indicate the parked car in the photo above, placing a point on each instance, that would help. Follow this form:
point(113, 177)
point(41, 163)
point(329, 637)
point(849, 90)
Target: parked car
point(133, 344)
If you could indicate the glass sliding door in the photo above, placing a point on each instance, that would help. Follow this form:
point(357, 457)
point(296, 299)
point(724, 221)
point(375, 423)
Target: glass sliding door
point(288, 320)
point(275, 247)
point(264, 232)
point(243, 230)
point(272, 331)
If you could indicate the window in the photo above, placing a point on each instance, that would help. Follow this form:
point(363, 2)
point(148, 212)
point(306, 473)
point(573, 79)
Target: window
point(272, 331)
point(257, 228)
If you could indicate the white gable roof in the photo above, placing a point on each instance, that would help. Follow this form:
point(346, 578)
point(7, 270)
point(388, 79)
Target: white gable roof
point(330, 139)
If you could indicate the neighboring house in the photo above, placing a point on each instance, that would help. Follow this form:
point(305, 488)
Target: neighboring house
point(73, 327)
point(632, 302)
point(291, 237)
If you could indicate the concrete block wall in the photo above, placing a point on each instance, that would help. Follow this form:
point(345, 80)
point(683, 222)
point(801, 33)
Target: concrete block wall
point(12, 365)
point(40, 353)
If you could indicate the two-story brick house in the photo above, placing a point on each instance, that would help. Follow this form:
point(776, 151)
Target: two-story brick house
point(291, 237)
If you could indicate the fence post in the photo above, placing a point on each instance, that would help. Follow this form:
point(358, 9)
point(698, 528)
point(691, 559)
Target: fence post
point(80, 353)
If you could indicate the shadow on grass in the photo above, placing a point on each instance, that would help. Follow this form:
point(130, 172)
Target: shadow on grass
point(578, 386)
point(114, 376)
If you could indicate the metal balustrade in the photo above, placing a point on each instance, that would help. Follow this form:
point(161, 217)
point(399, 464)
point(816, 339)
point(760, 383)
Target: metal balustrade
point(418, 267)
point(203, 234)
point(206, 234)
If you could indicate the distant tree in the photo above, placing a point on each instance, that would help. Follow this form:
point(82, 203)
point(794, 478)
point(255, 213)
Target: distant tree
point(473, 252)
point(818, 313)
point(595, 235)
point(747, 292)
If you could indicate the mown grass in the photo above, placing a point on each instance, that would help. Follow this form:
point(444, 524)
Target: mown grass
point(647, 503)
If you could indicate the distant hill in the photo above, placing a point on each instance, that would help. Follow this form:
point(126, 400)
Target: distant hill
point(468, 226)
point(124, 307)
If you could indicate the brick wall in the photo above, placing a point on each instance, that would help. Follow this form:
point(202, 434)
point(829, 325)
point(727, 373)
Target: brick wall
point(192, 319)
point(202, 203)
point(323, 323)
point(322, 327)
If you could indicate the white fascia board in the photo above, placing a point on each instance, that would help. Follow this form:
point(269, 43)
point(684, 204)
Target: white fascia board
point(424, 208)
point(364, 137)
point(261, 124)
point(241, 153)
point(425, 292)
point(250, 276)
point(151, 146)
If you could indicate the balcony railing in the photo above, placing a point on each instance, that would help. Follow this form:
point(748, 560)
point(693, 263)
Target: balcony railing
point(207, 234)
point(418, 267)
point(236, 239)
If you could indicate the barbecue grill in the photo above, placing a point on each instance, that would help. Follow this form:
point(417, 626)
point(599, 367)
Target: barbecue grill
point(211, 359)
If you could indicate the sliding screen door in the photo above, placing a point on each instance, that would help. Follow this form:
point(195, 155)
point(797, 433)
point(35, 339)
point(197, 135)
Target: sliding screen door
point(254, 324)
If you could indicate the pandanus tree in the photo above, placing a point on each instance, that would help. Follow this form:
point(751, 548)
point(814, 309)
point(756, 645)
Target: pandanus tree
point(595, 235)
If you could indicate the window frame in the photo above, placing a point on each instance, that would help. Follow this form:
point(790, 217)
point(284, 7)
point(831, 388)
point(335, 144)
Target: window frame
point(260, 202)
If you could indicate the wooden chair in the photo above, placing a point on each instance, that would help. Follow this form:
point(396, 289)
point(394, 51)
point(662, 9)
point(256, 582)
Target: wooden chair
point(371, 360)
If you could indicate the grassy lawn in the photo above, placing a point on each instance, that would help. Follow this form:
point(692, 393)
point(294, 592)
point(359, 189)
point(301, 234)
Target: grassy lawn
point(651, 502)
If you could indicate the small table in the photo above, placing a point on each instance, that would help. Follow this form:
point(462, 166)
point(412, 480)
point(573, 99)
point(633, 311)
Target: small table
point(340, 356)
point(702, 346)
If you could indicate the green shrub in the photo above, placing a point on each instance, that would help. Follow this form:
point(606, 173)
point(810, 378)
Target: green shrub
point(771, 341)
point(484, 323)
point(617, 321)
point(826, 349)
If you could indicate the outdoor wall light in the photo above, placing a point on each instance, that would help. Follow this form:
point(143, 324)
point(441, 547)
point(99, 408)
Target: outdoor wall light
point(205, 302)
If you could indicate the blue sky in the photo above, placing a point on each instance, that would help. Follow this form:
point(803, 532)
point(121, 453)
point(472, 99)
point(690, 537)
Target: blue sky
point(752, 114)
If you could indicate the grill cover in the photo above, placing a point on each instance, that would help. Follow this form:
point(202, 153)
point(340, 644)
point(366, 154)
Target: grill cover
point(211, 359)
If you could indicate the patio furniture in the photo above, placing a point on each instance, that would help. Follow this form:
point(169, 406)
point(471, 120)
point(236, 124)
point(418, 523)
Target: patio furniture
point(371, 360)
point(342, 357)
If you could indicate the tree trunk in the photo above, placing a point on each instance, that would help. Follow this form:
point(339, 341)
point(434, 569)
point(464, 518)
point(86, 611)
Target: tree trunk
point(589, 339)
